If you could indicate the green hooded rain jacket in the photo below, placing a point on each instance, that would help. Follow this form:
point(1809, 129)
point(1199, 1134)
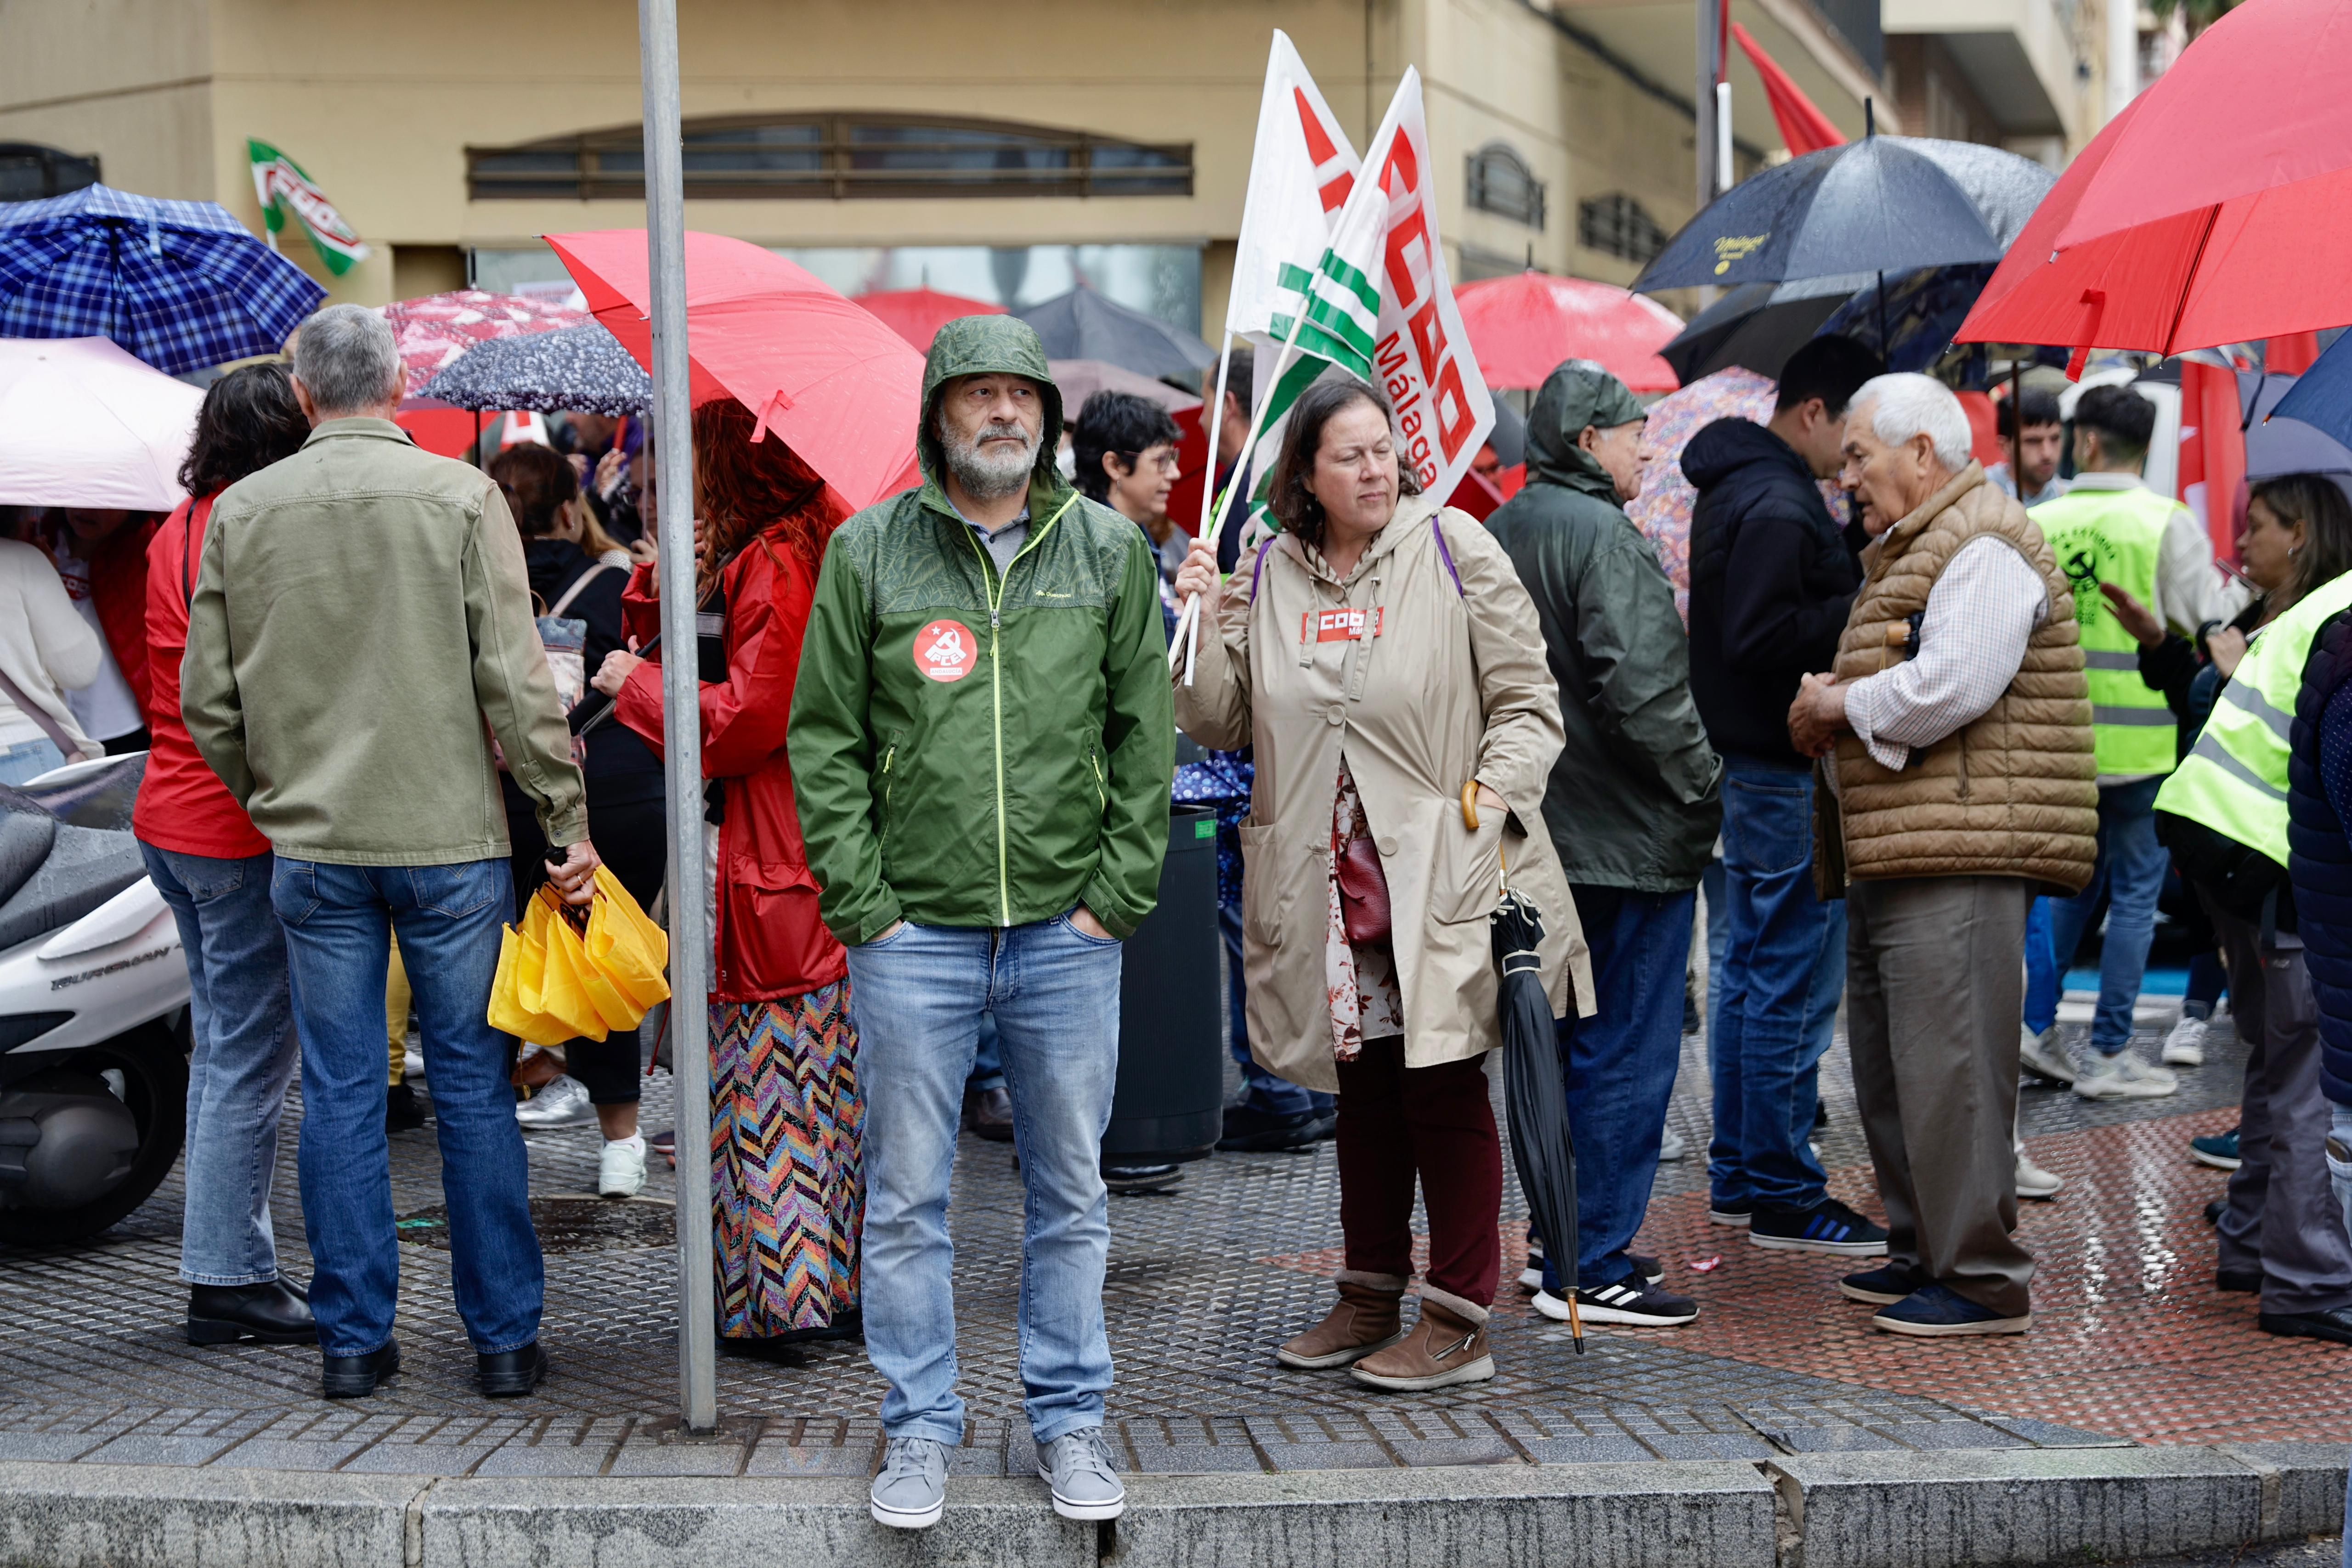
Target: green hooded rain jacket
point(976, 749)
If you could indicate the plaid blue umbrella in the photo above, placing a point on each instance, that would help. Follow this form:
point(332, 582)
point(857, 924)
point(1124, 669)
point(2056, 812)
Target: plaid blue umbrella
point(182, 285)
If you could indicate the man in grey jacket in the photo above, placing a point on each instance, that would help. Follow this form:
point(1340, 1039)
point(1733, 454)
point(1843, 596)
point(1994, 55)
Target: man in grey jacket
point(1632, 809)
point(361, 633)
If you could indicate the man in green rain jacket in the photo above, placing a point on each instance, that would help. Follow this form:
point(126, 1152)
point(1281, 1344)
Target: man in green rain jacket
point(981, 749)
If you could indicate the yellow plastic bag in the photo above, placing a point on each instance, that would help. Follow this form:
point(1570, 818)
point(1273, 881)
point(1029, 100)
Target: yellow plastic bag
point(629, 949)
point(567, 992)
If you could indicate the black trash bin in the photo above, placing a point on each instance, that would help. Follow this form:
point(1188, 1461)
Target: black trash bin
point(1170, 1103)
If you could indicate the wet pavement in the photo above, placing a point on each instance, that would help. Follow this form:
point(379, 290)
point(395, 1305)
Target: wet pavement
point(2131, 1344)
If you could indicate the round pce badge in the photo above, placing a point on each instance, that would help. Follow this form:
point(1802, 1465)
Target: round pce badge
point(946, 650)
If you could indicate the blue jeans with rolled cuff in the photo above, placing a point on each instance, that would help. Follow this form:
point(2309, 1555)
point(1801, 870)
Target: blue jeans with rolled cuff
point(2130, 869)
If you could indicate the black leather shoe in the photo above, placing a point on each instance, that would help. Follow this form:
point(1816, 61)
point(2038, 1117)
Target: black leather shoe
point(2244, 1281)
point(403, 1111)
point(355, 1376)
point(273, 1312)
point(511, 1374)
point(991, 1116)
point(2334, 1323)
point(1248, 1130)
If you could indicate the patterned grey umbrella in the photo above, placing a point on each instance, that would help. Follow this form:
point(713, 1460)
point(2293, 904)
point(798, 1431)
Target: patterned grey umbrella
point(582, 368)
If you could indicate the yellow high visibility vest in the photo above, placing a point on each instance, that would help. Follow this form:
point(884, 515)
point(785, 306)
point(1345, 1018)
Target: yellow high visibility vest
point(2115, 537)
point(2234, 779)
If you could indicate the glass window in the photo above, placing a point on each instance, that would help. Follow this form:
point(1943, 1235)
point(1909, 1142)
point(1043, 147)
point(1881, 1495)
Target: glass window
point(1616, 225)
point(1501, 183)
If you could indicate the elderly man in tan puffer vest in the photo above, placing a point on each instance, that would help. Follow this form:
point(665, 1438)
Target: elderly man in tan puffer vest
point(1955, 731)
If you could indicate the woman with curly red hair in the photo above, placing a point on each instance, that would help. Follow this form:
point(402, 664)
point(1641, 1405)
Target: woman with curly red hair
point(786, 1109)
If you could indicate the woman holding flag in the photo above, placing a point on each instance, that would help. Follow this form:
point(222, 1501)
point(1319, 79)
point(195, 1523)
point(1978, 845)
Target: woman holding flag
point(1383, 658)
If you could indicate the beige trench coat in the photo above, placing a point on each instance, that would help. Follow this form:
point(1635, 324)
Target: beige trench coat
point(1455, 686)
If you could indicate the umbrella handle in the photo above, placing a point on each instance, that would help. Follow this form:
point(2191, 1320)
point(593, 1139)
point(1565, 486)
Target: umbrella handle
point(1470, 820)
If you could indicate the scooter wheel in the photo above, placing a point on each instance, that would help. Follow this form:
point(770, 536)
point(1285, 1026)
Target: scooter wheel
point(155, 1067)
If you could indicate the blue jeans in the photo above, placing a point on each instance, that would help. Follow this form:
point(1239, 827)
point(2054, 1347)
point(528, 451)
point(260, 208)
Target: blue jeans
point(2043, 978)
point(1619, 1065)
point(28, 760)
point(1261, 1090)
point(917, 994)
point(242, 1023)
point(1783, 969)
point(2130, 869)
point(339, 921)
point(987, 1060)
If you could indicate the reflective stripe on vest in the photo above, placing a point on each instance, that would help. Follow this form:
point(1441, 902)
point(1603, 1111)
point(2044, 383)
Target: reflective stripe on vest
point(2115, 537)
point(2234, 779)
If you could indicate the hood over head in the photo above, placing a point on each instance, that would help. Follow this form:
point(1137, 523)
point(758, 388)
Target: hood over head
point(1578, 394)
point(1727, 446)
point(1001, 345)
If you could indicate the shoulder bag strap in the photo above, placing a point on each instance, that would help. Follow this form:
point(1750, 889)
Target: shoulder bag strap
point(595, 570)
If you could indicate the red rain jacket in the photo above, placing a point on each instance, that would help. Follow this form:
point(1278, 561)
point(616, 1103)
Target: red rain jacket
point(771, 942)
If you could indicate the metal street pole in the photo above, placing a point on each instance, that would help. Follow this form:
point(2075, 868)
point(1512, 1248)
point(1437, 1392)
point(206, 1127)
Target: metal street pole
point(1706, 105)
point(689, 922)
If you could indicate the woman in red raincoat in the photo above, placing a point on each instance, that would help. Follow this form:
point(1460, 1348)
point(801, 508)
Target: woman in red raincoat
point(786, 1108)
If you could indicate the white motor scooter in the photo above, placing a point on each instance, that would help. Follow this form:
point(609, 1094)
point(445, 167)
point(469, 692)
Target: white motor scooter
point(93, 1008)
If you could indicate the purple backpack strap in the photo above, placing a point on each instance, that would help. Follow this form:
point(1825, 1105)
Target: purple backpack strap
point(1446, 556)
point(1258, 570)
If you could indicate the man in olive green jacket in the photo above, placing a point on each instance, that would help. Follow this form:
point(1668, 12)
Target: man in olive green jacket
point(360, 613)
point(981, 749)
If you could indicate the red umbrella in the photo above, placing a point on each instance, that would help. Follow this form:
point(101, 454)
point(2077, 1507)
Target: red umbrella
point(843, 390)
point(1522, 326)
point(2216, 208)
point(917, 314)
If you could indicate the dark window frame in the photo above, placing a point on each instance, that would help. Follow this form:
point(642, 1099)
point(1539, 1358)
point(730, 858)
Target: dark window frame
point(843, 166)
point(1486, 194)
point(1618, 224)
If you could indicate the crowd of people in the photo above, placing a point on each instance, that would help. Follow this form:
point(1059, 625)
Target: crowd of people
point(1916, 734)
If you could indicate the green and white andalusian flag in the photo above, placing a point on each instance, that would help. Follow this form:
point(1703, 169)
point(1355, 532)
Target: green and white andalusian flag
point(282, 186)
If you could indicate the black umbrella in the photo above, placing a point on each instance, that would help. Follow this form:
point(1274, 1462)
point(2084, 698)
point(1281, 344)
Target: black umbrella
point(1082, 325)
point(1885, 204)
point(582, 369)
point(1535, 1094)
point(1757, 326)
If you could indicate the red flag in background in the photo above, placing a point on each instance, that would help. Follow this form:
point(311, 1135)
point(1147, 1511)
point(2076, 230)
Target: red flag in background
point(1803, 128)
point(2290, 355)
point(2212, 452)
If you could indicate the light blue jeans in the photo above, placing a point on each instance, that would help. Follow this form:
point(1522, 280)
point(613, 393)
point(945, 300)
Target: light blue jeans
point(2339, 1172)
point(244, 1055)
point(339, 921)
point(918, 995)
point(2131, 868)
point(28, 760)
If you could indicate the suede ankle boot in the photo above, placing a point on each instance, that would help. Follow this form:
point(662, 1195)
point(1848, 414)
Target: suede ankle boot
point(1448, 1345)
point(1369, 1317)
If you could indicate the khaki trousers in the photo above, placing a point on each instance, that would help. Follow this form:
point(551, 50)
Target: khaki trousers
point(1933, 990)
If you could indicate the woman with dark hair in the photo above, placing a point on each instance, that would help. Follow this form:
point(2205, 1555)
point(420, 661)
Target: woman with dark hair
point(1383, 658)
point(601, 1079)
point(213, 868)
point(1124, 447)
point(786, 1112)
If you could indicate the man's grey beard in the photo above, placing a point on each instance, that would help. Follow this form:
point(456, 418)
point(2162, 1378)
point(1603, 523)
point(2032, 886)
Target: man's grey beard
point(986, 476)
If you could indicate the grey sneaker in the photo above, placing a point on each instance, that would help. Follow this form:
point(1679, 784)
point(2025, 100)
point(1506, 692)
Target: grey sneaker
point(2123, 1076)
point(1671, 1147)
point(2185, 1046)
point(1076, 1465)
point(2043, 1055)
point(911, 1492)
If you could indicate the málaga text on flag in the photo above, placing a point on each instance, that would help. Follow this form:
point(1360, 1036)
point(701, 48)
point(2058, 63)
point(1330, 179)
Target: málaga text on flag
point(1302, 170)
point(281, 185)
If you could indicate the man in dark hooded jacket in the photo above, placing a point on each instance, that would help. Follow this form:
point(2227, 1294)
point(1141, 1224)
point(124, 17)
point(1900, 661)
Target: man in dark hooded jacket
point(1771, 579)
point(1632, 810)
point(981, 746)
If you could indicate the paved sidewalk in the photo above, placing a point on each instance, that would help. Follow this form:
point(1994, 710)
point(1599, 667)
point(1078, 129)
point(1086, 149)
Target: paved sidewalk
point(2132, 1344)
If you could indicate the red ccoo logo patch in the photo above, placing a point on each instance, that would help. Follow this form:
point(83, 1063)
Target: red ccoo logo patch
point(946, 650)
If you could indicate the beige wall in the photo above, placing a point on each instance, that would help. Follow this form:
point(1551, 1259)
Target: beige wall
point(126, 79)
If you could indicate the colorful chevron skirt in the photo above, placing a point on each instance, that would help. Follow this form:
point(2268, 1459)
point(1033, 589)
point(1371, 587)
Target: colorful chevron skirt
point(786, 1120)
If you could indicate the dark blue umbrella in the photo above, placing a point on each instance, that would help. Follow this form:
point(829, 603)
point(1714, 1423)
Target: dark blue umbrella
point(1885, 204)
point(582, 369)
point(1535, 1096)
point(2321, 397)
point(1082, 325)
point(182, 285)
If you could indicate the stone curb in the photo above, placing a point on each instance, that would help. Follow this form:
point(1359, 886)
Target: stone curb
point(1815, 1511)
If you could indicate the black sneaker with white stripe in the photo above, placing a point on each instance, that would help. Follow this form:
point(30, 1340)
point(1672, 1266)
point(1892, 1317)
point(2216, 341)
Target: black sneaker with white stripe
point(1828, 1227)
point(1632, 1300)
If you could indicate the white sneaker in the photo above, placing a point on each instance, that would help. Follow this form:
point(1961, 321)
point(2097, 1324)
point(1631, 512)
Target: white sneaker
point(620, 1169)
point(2123, 1076)
point(1671, 1147)
point(2044, 1054)
point(2034, 1181)
point(563, 1104)
point(2185, 1046)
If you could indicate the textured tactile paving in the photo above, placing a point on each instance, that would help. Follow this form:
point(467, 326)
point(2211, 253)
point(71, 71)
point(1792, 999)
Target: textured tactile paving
point(2131, 1344)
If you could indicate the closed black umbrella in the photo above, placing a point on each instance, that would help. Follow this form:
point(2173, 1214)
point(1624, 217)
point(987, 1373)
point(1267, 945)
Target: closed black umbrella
point(1535, 1095)
point(574, 368)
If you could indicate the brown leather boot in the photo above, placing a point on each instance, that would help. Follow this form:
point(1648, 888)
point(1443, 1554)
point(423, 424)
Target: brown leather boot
point(1369, 1318)
point(1448, 1345)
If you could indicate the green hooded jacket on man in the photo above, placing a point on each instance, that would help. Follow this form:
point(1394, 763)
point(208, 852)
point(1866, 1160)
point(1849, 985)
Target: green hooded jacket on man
point(1633, 800)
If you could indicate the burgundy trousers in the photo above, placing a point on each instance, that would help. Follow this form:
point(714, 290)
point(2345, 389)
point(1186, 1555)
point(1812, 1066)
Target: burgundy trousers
point(1397, 1123)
